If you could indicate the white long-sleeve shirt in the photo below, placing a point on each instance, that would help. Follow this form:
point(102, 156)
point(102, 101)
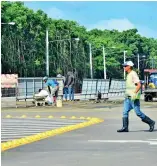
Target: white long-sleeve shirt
point(45, 93)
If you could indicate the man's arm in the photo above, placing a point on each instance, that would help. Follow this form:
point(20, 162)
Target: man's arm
point(136, 81)
point(138, 87)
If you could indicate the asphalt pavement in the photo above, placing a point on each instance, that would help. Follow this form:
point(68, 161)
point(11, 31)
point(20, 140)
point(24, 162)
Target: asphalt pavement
point(98, 144)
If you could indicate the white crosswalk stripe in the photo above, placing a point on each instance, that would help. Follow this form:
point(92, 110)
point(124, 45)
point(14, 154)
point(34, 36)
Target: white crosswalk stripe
point(15, 128)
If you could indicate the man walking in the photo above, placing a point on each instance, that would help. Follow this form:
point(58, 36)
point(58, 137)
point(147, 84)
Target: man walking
point(132, 98)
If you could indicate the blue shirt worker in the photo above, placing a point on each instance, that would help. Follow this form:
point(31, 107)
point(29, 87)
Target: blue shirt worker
point(52, 85)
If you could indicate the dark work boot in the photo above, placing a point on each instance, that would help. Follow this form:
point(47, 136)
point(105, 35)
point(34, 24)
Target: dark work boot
point(150, 122)
point(125, 125)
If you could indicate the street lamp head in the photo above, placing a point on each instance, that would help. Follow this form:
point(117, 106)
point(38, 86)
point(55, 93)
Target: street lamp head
point(76, 39)
point(11, 23)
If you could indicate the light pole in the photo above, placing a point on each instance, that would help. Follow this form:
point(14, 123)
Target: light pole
point(9, 23)
point(104, 60)
point(124, 61)
point(152, 61)
point(47, 49)
point(138, 60)
point(90, 59)
point(47, 52)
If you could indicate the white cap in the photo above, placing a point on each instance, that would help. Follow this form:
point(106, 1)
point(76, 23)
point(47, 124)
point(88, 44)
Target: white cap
point(59, 75)
point(45, 78)
point(128, 63)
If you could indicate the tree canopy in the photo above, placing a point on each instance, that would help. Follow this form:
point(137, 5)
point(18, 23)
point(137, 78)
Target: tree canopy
point(23, 45)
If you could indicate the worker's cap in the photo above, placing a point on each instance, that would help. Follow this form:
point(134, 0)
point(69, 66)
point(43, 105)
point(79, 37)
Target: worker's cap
point(59, 75)
point(128, 63)
point(45, 78)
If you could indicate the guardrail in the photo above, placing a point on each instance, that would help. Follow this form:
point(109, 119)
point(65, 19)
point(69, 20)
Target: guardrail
point(27, 87)
point(107, 88)
point(24, 88)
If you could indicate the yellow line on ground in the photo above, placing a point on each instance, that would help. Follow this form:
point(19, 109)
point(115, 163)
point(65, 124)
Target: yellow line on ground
point(49, 117)
point(46, 134)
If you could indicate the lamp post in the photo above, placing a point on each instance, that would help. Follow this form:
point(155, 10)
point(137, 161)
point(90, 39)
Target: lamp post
point(9, 23)
point(47, 49)
point(124, 61)
point(138, 60)
point(47, 52)
point(90, 59)
point(104, 60)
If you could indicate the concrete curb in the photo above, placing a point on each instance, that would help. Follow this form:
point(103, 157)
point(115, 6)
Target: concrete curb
point(33, 138)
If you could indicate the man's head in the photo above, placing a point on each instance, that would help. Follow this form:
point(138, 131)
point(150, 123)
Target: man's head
point(45, 79)
point(128, 65)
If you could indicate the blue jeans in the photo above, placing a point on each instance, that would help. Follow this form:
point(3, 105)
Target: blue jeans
point(129, 105)
point(71, 93)
point(65, 92)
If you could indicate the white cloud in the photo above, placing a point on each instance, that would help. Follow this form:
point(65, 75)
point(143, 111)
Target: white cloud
point(147, 32)
point(55, 13)
point(122, 25)
point(118, 24)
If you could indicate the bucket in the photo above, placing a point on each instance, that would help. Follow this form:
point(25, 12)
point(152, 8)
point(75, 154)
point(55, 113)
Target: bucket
point(59, 103)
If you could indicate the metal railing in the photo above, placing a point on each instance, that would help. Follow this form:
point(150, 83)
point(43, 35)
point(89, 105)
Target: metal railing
point(107, 88)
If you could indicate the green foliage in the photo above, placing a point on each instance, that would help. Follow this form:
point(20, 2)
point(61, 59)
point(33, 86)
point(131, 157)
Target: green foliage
point(23, 45)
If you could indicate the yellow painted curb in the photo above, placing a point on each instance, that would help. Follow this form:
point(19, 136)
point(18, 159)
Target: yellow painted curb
point(50, 133)
point(73, 117)
point(8, 116)
point(23, 116)
point(50, 116)
point(63, 117)
point(37, 116)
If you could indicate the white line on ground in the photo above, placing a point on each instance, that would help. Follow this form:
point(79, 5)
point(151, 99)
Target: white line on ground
point(19, 133)
point(20, 129)
point(33, 126)
point(123, 141)
point(153, 139)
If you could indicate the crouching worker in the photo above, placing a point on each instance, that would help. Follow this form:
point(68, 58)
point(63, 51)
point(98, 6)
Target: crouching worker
point(45, 96)
point(53, 87)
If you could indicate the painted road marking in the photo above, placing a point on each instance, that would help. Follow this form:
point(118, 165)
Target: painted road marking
point(153, 139)
point(18, 128)
point(123, 141)
point(21, 139)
